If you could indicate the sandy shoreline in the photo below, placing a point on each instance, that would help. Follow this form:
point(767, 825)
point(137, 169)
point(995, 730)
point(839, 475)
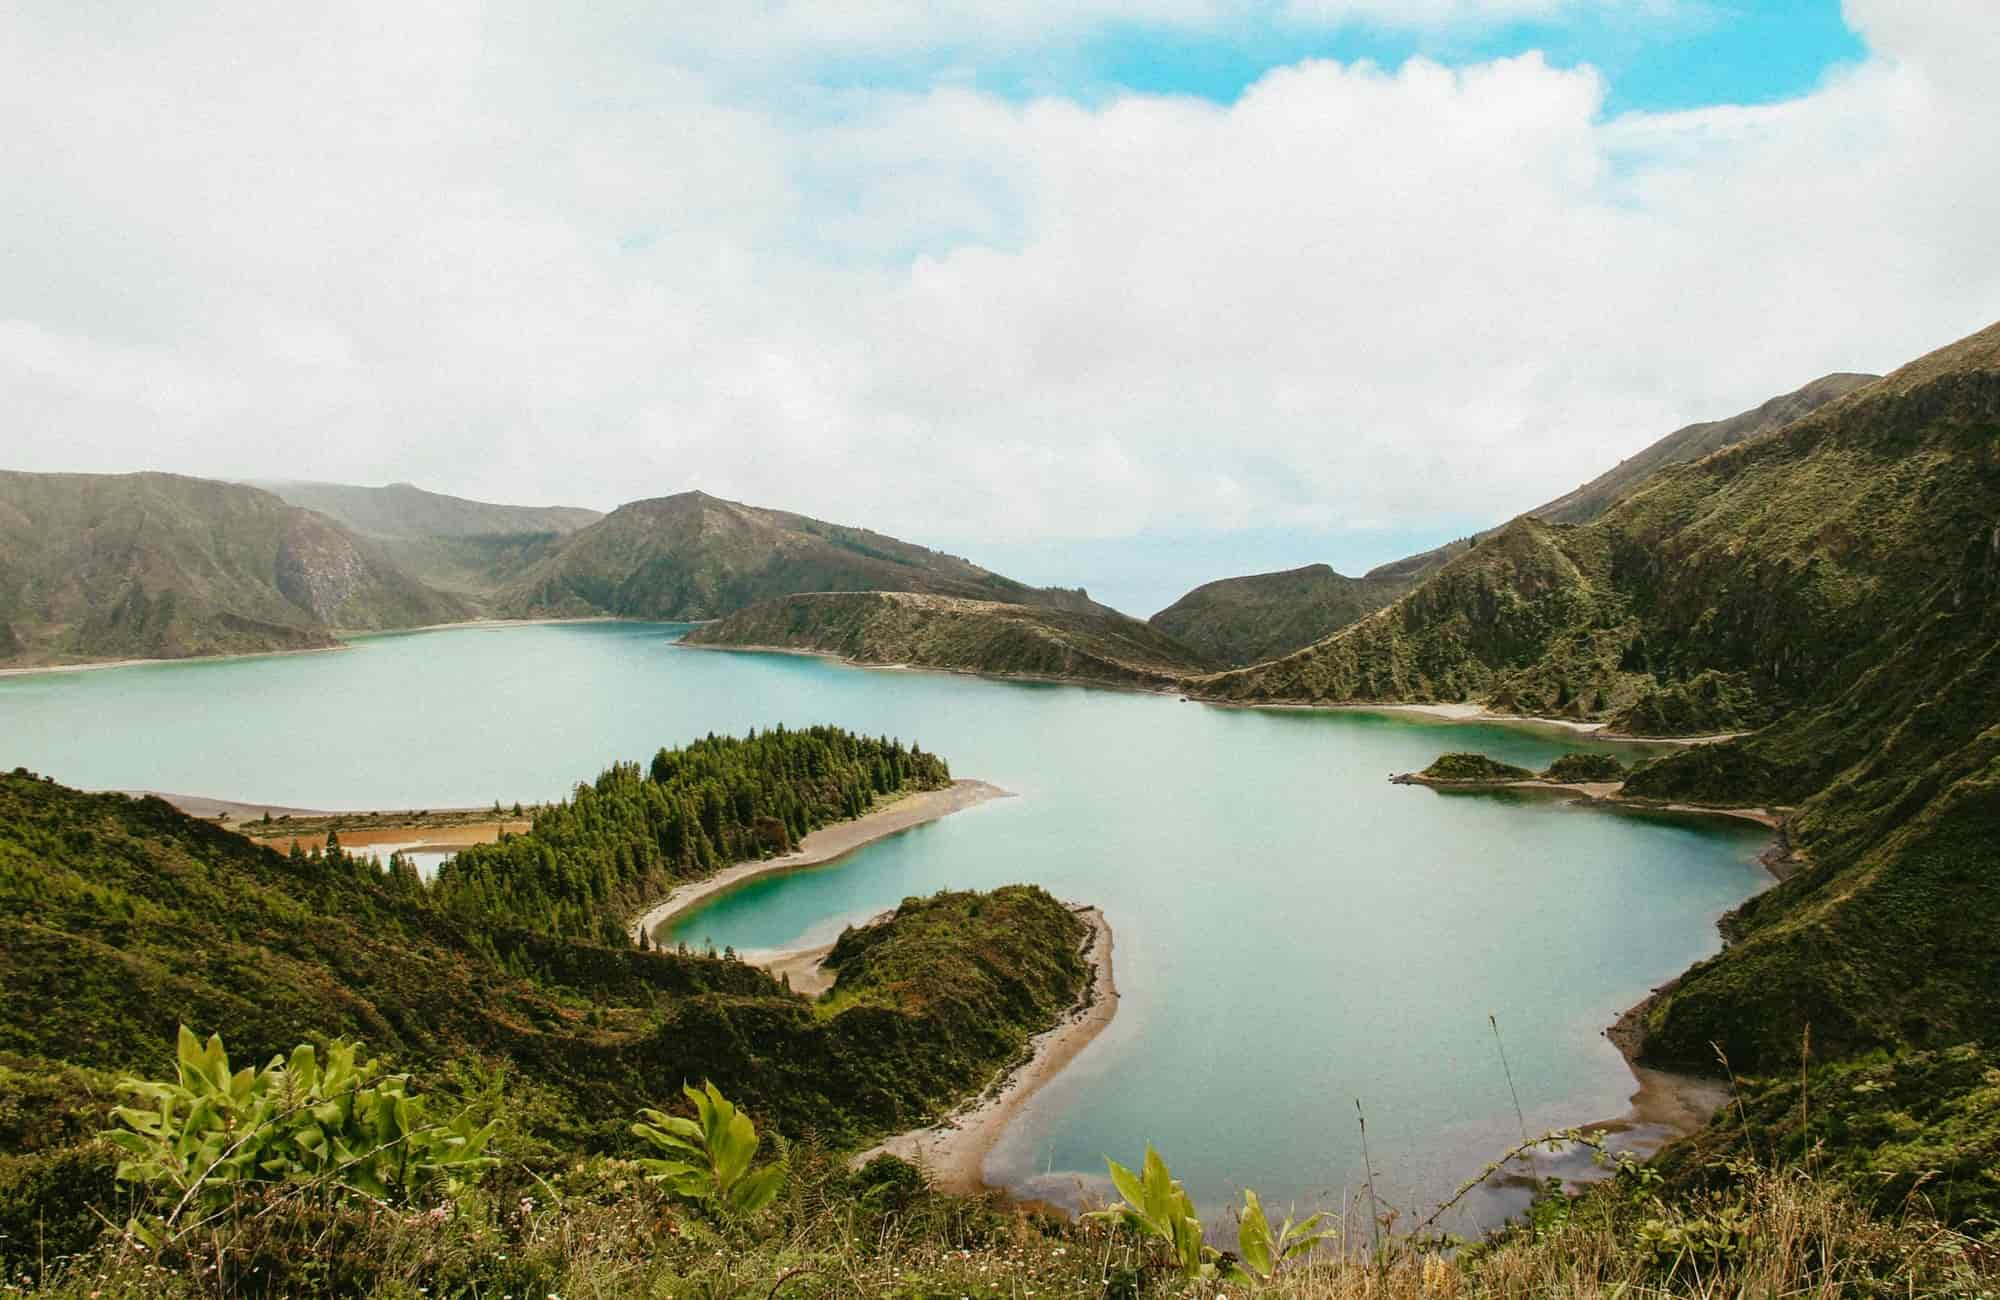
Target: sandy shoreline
point(341, 634)
point(824, 845)
point(953, 1151)
point(95, 664)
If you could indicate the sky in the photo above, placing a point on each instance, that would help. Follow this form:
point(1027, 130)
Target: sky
point(1134, 295)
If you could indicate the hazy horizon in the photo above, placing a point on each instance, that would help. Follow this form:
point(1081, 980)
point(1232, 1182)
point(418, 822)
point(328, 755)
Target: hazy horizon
point(1133, 296)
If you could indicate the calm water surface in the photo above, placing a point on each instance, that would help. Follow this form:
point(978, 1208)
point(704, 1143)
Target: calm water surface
point(1293, 933)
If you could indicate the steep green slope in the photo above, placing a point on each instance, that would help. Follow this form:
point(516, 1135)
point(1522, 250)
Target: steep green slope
point(1682, 445)
point(1244, 621)
point(1241, 621)
point(967, 635)
point(158, 566)
point(470, 548)
point(120, 918)
point(694, 556)
point(1836, 585)
point(1718, 595)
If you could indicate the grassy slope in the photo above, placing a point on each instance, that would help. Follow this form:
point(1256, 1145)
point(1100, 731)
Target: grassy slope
point(1838, 580)
point(1719, 595)
point(969, 635)
point(120, 918)
point(1681, 446)
point(694, 556)
point(159, 566)
point(1245, 621)
point(1241, 621)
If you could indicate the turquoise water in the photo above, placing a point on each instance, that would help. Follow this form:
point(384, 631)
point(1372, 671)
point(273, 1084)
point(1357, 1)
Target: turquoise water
point(1293, 933)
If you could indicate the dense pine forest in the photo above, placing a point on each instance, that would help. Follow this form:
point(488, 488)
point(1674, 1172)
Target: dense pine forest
point(630, 836)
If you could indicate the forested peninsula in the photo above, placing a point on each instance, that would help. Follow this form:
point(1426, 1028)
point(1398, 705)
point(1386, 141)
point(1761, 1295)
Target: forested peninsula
point(623, 841)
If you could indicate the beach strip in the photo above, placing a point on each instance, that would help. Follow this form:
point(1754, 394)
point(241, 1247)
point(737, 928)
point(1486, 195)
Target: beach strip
point(953, 1151)
point(824, 845)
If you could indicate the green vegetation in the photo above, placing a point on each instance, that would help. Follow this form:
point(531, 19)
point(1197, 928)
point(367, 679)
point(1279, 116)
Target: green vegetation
point(1835, 587)
point(694, 556)
point(343, 1130)
point(627, 839)
point(708, 1158)
point(1474, 767)
point(109, 566)
point(1679, 447)
point(121, 918)
point(1090, 644)
point(1582, 766)
point(1240, 621)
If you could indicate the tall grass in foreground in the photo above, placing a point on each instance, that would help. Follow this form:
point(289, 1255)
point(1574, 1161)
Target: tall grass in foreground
point(603, 1231)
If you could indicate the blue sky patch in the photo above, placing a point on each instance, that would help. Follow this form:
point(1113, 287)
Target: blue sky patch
point(1693, 55)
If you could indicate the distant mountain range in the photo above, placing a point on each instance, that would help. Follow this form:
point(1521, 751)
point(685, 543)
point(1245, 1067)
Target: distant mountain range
point(1248, 620)
point(1084, 644)
point(694, 556)
point(470, 548)
point(1239, 621)
point(158, 566)
point(97, 567)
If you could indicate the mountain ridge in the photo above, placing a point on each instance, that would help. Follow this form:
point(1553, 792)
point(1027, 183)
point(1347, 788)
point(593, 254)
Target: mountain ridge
point(692, 556)
point(161, 566)
point(948, 632)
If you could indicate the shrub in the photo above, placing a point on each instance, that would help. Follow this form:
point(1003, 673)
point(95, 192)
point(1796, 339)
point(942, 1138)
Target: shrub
point(1585, 767)
point(709, 1157)
point(1475, 767)
point(339, 1129)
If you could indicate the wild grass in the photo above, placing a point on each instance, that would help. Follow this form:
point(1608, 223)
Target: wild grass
point(601, 1231)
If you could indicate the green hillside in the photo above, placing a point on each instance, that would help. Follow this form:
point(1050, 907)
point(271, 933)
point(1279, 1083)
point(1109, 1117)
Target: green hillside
point(470, 548)
point(1691, 443)
point(967, 635)
point(1717, 596)
point(1241, 621)
point(120, 918)
point(618, 844)
point(96, 566)
point(694, 556)
point(1834, 586)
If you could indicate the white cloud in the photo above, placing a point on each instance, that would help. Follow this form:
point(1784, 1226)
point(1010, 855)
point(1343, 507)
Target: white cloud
point(464, 246)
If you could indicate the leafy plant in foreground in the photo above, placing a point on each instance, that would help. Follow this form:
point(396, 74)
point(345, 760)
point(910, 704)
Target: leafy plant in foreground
point(709, 1157)
point(1157, 1206)
point(334, 1129)
point(1263, 1252)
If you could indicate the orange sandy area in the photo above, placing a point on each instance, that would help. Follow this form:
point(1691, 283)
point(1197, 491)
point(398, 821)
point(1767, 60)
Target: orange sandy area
point(419, 839)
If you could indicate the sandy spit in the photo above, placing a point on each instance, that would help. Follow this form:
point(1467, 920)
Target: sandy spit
point(826, 844)
point(953, 1152)
point(1604, 792)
